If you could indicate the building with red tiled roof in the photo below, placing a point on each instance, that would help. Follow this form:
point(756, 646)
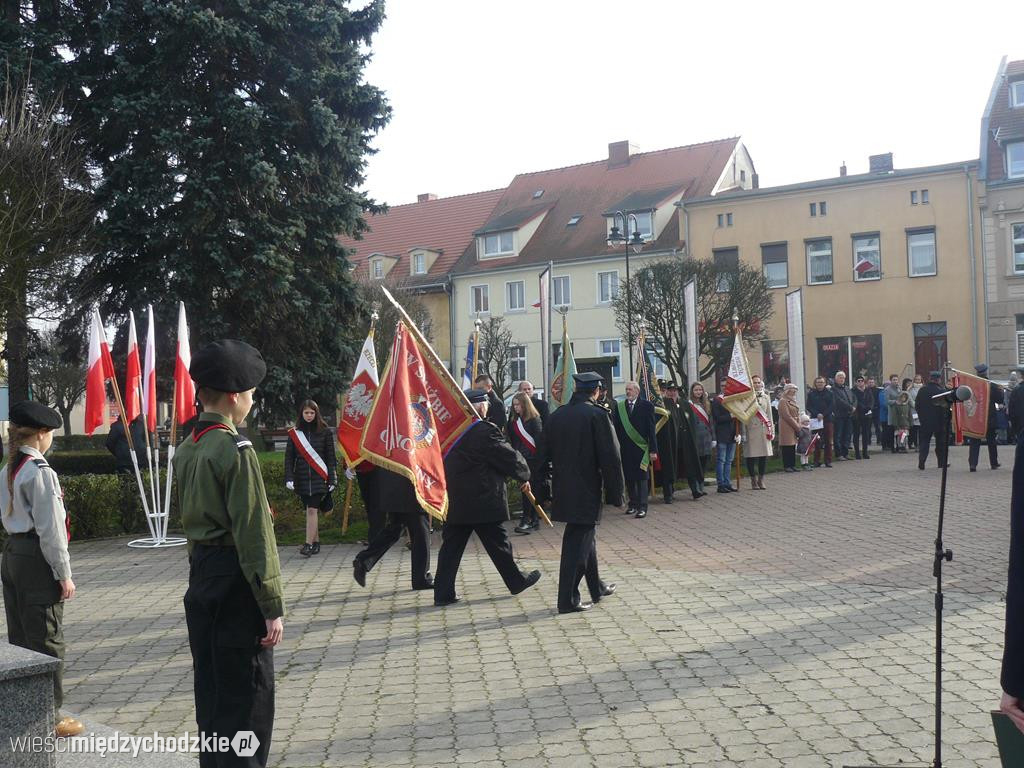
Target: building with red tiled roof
point(565, 216)
point(413, 247)
point(1001, 204)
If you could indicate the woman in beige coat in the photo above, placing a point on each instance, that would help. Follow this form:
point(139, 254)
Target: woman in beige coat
point(758, 435)
point(789, 427)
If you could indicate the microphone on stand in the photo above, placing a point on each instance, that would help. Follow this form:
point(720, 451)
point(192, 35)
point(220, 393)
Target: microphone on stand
point(959, 395)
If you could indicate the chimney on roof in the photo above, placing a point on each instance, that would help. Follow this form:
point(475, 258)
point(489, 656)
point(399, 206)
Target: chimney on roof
point(842, 169)
point(880, 163)
point(618, 154)
point(426, 196)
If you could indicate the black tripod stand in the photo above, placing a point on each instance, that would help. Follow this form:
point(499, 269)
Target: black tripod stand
point(941, 555)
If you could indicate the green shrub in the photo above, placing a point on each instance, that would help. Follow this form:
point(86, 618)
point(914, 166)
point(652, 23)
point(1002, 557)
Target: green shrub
point(63, 443)
point(82, 462)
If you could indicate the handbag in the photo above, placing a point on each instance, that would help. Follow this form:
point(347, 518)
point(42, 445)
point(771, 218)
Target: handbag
point(327, 502)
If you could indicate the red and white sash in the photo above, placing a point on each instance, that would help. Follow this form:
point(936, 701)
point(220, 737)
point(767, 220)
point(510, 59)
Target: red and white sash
point(769, 427)
point(700, 413)
point(525, 436)
point(301, 443)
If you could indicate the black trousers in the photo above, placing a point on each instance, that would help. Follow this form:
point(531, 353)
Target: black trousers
point(637, 492)
point(418, 526)
point(667, 480)
point(974, 450)
point(234, 674)
point(925, 438)
point(788, 456)
point(454, 539)
point(376, 517)
point(861, 435)
point(579, 560)
point(32, 604)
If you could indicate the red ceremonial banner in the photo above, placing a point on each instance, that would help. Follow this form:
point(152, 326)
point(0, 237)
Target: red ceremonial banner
point(356, 405)
point(401, 433)
point(972, 416)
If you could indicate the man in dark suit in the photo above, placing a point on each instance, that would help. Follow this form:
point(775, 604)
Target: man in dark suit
point(995, 399)
point(1012, 674)
point(634, 426)
point(541, 405)
point(932, 421)
point(581, 446)
point(476, 469)
point(495, 408)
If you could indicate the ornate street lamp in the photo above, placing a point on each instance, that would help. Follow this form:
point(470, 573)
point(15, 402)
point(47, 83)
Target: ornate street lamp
point(636, 241)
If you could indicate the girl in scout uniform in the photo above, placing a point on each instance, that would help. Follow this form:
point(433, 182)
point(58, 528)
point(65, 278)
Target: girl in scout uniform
point(36, 568)
point(310, 469)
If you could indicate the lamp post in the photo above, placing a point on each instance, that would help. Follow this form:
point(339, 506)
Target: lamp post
point(615, 237)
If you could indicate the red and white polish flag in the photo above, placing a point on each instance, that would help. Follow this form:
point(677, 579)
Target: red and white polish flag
point(184, 387)
point(101, 369)
point(133, 374)
point(149, 376)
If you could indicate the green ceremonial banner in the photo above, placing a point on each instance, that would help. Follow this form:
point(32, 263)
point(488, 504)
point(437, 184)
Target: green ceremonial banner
point(562, 382)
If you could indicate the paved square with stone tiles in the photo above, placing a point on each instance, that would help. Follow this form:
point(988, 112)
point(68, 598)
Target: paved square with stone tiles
point(787, 627)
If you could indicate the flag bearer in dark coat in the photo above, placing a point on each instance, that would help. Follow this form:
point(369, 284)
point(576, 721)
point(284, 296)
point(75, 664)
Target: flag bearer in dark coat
point(234, 603)
point(1012, 675)
point(36, 567)
point(396, 497)
point(668, 441)
point(995, 399)
point(634, 427)
point(476, 469)
point(932, 421)
point(584, 452)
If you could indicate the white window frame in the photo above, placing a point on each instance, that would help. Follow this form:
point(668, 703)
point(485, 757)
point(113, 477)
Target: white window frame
point(613, 289)
point(831, 254)
point(857, 249)
point(502, 251)
point(516, 359)
point(1017, 93)
point(764, 266)
point(618, 355)
point(913, 197)
point(1015, 160)
point(377, 269)
point(1017, 240)
point(567, 297)
point(659, 369)
point(935, 254)
point(485, 294)
point(522, 296)
point(419, 263)
point(924, 197)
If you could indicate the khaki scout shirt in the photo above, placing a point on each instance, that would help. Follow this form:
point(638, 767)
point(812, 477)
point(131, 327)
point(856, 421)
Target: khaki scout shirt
point(38, 506)
point(223, 501)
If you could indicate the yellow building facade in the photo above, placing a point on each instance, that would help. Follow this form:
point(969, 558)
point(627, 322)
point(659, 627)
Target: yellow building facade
point(888, 265)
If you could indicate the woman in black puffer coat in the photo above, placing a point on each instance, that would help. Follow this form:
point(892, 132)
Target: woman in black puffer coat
point(524, 426)
point(312, 480)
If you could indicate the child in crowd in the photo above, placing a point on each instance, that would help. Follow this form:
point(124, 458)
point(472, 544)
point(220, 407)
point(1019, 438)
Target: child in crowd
point(901, 422)
point(805, 441)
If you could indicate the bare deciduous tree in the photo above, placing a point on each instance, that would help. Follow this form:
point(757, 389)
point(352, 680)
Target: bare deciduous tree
point(58, 375)
point(496, 353)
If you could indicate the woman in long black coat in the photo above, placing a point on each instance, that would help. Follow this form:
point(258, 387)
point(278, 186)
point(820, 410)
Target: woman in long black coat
point(525, 433)
point(310, 469)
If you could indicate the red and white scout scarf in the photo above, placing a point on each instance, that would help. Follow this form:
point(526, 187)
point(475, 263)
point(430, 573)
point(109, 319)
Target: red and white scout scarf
point(700, 413)
point(302, 445)
point(525, 436)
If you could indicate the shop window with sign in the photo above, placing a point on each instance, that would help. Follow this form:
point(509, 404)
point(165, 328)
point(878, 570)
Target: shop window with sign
point(854, 355)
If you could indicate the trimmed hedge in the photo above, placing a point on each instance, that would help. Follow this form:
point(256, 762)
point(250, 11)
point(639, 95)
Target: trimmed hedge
point(82, 462)
point(79, 442)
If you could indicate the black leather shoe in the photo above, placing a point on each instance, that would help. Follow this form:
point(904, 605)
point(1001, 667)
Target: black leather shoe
point(630, 511)
point(531, 578)
point(641, 514)
point(428, 584)
point(315, 548)
point(449, 601)
point(523, 528)
point(974, 469)
point(578, 608)
point(722, 489)
point(359, 572)
point(306, 550)
point(607, 590)
point(997, 466)
point(920, 466)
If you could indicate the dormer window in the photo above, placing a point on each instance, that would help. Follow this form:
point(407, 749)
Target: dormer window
point(419, 263)
point(640, 221)
point(1017, 94)
point(498, 244)
point(377, 269)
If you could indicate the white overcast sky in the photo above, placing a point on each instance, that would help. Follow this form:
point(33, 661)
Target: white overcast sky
point(484, 89)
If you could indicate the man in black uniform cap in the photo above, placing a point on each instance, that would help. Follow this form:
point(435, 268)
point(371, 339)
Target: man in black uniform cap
point(475, 469)
point(582, 447)
point(932, 421)
point(995, 398)
point(668, 441)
